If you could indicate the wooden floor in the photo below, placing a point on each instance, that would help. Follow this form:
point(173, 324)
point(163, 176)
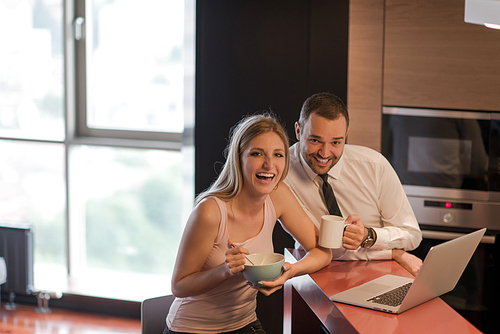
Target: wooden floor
point(24, 320)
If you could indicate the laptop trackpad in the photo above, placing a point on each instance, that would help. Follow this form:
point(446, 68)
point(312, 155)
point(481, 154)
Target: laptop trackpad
point(373, 287)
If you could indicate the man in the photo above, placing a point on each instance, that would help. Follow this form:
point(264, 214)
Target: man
point(366, 187)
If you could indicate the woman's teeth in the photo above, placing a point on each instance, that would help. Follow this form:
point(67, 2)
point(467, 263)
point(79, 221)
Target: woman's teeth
point(265, 175)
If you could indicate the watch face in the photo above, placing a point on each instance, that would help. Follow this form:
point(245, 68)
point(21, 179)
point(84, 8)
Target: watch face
point(368, 242)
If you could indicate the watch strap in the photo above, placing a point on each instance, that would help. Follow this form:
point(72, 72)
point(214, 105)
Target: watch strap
point(370, 239)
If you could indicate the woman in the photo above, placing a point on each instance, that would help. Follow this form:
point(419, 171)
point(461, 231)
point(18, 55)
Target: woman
point(235, 216)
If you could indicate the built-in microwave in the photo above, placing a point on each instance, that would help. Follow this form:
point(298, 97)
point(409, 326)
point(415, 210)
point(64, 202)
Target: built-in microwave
point(448, 162)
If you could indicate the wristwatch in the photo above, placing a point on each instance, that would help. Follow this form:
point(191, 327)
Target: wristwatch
point(370, 239)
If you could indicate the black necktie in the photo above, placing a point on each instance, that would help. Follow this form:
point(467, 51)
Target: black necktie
point(331, 202)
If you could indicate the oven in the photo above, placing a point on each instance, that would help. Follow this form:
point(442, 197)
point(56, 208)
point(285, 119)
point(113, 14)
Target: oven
point(449, 164)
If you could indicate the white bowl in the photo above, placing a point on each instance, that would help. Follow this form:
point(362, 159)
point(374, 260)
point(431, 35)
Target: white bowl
point(266, 267)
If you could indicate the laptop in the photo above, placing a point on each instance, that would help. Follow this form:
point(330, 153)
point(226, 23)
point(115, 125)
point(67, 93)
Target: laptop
point(440, 272)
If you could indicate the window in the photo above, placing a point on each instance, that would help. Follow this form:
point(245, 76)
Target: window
point(31, 70)
point(95, 125)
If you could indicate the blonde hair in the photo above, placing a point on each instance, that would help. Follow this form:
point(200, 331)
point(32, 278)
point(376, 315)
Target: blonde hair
point(230, 181)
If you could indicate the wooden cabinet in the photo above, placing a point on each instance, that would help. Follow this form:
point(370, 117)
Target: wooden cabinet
point(433, 59)
point(417, 53)
point(364, 84)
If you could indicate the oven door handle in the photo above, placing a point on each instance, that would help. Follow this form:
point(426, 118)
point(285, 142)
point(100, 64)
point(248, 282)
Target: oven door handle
point(439, 235)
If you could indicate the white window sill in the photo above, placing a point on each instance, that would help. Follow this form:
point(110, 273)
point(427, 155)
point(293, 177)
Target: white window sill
point(102, 283)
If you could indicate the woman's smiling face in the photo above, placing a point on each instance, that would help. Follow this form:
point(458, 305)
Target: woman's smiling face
point(262, 162)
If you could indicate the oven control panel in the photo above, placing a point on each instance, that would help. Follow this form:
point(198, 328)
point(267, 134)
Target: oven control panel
point(448, 216)
point(448, 205)
point(453, 213)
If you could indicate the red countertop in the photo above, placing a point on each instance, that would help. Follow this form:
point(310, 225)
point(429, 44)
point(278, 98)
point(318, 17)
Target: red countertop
point(434, 316)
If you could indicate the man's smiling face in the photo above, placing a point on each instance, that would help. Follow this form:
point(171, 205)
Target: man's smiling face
point(321, 141)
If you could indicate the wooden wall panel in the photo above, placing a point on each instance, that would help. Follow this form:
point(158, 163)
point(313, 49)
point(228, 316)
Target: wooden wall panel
point(364, 92)
point(434, 59)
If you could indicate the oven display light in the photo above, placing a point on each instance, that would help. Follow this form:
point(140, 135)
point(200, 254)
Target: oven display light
point(448, 205)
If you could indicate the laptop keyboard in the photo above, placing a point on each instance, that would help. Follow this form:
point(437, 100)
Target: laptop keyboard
point(393, 297)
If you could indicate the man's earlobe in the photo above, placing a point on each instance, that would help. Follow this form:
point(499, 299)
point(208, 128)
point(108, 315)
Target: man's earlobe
point(297, 130)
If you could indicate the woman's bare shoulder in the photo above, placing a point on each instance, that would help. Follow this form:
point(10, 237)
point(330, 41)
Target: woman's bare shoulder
point(282, 197)
point(207, 212)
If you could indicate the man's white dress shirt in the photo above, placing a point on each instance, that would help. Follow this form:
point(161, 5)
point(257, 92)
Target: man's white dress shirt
point(365, 184)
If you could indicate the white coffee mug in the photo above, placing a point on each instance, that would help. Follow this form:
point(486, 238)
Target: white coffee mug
point(331, 231)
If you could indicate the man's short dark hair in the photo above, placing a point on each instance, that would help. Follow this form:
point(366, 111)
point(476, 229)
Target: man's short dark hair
point(326, 105)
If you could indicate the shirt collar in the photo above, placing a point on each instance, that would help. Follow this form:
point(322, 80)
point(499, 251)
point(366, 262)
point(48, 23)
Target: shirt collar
point(333, 172)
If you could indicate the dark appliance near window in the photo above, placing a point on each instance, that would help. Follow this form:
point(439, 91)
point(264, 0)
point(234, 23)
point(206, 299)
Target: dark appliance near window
point(449, 164)
point(16, 247)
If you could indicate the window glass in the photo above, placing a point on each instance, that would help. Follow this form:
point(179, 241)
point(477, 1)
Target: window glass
point(31, 69)
point(130, 207)
point(32, 190)
point(126, 207)
point(135, 64)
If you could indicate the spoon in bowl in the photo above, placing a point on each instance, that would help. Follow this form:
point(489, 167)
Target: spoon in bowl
point(246, 257)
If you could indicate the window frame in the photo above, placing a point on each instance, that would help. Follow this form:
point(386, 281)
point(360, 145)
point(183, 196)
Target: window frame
point(78, 133)
point(76, 73)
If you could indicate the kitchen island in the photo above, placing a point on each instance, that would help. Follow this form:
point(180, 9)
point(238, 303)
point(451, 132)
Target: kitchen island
point(307, 308)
